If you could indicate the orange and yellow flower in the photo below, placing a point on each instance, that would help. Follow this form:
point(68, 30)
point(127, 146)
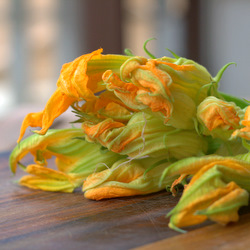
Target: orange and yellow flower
point(218, 118)
point(218, 188)
point(79, 80)
point(139, 117)
point(144, 134)
point(125, 178)
point(75, 159)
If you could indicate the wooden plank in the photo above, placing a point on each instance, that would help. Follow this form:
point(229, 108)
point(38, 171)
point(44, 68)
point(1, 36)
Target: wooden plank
point(33, 219)
point(233, 236)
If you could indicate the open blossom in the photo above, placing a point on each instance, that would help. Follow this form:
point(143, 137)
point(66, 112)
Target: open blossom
point(79, 80)
point(218, 188)
point(218, 118)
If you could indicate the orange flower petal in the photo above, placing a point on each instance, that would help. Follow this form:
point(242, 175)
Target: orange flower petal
point(57, 104)
point(137, 97)
point(74, 80)
point(218, 113)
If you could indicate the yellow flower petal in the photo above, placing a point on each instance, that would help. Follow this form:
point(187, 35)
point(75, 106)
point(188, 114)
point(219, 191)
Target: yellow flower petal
point(226, 208)
point(193, 165)
point(48, 179)
point(187, 216)
point(107, 105)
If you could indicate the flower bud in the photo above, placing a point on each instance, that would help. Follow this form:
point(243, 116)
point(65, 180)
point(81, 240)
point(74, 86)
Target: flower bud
point(218, 118)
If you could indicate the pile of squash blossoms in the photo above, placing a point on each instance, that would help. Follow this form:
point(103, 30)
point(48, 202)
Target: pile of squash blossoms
point(146, 125)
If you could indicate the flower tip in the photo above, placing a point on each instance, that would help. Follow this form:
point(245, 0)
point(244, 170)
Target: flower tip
point(177, 229)
point(145, 48)
point(128, 52)
point(173, 54)
point(221, 71)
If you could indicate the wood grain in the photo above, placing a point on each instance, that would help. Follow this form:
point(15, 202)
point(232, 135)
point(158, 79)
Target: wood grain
point(33, 219)
point(233, 236)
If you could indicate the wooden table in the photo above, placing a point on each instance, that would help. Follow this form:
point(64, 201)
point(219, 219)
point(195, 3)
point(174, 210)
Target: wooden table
point(32, 219)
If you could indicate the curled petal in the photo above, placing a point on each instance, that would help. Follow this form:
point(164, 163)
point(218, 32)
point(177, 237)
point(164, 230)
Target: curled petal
point(73, 79)
point(145, 74)
point(48, 179)
point(57, 104)
point(78, 80)
point(220, 204)
point(107, 105)
point(137, 97)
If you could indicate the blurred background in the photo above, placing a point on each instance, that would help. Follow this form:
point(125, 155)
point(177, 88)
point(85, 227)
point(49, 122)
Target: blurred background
point(38, 36)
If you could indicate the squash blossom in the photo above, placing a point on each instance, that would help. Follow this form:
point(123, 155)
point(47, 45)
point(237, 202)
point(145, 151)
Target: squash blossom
point(79, 80)
point(143, 135)
point(146, 125)
point(218, 118)
point(126, 178)
point(218, 188)
point(166, 86)
point(75, 159)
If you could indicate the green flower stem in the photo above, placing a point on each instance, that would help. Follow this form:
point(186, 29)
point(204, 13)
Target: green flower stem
point(238, 101)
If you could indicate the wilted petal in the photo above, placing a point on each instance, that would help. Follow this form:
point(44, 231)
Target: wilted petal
point(192, 207)
point(79, 80)
point(57, 104)
point(48, 179)
point(192, 165)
